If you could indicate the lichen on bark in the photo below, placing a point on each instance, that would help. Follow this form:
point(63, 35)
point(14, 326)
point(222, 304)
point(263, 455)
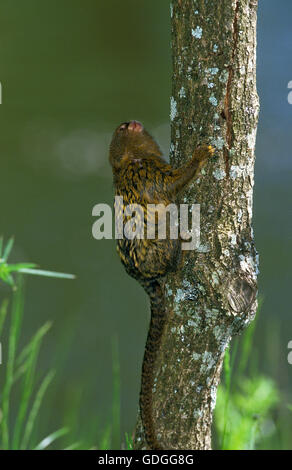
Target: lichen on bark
point(214, 100)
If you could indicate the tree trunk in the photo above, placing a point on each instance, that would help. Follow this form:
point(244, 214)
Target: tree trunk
point(214, 296)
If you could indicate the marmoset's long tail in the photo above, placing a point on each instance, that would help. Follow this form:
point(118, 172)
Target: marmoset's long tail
point(157, 322)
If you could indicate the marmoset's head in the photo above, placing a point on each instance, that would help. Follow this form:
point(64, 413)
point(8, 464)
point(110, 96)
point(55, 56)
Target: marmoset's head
point(131, 141)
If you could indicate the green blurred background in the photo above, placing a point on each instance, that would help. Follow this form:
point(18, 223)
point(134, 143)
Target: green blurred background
point(71, 70)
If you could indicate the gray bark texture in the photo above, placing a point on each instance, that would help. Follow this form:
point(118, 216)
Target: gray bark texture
point(213, 297)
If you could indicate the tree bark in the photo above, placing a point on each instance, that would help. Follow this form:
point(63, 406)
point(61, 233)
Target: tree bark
point(213, 297)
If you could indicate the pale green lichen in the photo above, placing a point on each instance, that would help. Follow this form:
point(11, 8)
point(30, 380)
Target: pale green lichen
point(182, 92)
point(187, 284)
point(211, 315)
point(196, 356)
point(213, 100)
point(218, 143)
point(233, 239)
point(173, 109)
point(212, 70)
point(203, 248)
point(208, 362)
point(223, 76)
point(180, 294)
point(201, 288)
point(197, 33)
point(193, 324)
point(251, 138)
point(248, 264)
point(219, 174)
point(217, 331)
point(213, 396)
point(168, 290)
point(257, 262)
point(197, 414)
point(215, 279)
point(237, 171)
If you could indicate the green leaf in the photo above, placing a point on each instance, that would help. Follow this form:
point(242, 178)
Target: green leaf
point(22, 360)
point(31, 351)
point(229, 361)
point(16, 318)
point(247, 341)
point(1, 245)
point(19, 266)
point(20, 371)
point(35, 339)
point(129, 442)
point(3, 313)
point(47, 441)
point(8, 248)
point(5, 275)
point(40, 272)
point(116, 406)
point(35, 409)
point(105, 441)
point(74, 446)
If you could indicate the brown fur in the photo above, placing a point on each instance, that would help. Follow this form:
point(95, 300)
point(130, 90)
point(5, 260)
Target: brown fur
point(141, 176)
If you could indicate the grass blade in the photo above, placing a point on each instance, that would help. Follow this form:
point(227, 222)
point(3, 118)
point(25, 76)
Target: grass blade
point(247, 341)
point(129, 442)
point(8, 248)
point(22, 362)
point(47, 441)
point(1, 245)
point(28, 383)
point(35, 339)
point(229, 361)
point(16, 317)
point(105, 441)
point(6, 276)
point(227, 377)
point(41, 272)
point(18, 373)
point(74, 446)
point(116, 406)
point(19, 266)
point(3, 313)
point(35, 409)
